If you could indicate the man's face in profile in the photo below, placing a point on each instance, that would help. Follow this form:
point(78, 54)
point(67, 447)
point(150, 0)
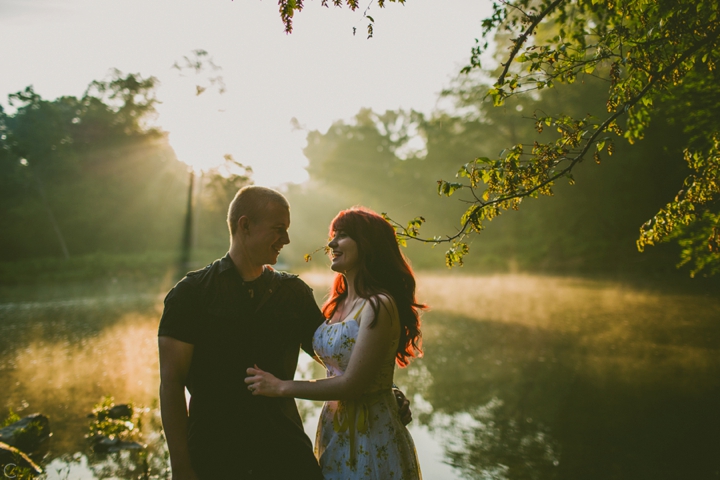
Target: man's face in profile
point(268, 235)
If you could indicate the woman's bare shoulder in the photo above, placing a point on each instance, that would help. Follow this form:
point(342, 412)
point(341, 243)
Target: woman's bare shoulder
point(384, 300)
point(383, 307)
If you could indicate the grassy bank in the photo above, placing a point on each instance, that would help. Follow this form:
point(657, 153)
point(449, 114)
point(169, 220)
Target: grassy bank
point(102, 273)
point(86, 267)
point(52, 278)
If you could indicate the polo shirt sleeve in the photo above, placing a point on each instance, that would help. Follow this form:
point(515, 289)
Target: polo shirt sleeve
point(310, 318)
point(180, 315)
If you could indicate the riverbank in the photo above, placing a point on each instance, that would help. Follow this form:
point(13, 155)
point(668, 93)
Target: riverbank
point(92, 275)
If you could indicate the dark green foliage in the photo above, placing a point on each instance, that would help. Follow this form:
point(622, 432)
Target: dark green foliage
point(113, 426)
point(645, 50)
point(88, 189)
point(78, 268)
point(11, 418)
point(589, 227)
point(85, 175)
point(657, 59)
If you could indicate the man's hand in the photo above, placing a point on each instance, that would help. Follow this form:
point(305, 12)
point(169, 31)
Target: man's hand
point(403, 406)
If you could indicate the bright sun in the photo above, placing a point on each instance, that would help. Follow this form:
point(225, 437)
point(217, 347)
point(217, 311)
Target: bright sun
point(204, 128)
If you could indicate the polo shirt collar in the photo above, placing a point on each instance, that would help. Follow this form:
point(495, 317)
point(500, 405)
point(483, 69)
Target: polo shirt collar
point(226, 263)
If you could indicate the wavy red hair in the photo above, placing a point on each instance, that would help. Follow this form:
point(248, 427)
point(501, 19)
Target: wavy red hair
point(383, 270)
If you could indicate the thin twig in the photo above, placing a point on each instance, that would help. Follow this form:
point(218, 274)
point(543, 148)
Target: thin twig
point(524, 36)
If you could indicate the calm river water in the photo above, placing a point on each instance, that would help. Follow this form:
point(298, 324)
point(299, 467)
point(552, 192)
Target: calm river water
point(524, 377)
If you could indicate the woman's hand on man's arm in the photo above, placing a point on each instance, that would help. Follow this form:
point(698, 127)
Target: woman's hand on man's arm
point(368, 358)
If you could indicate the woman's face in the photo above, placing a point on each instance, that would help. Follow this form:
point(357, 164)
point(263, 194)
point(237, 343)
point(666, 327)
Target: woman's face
point(344, 252)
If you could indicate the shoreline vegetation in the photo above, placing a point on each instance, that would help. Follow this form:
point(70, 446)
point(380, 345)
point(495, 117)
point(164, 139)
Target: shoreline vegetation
point(92, 275)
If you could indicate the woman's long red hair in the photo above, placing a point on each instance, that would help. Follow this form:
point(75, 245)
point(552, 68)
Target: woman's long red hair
point(383, 270)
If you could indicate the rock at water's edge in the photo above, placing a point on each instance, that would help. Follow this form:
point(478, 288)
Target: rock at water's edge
point(27, 433)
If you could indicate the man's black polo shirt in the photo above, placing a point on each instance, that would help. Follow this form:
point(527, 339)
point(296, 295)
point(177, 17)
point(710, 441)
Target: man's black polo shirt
point(233, 326)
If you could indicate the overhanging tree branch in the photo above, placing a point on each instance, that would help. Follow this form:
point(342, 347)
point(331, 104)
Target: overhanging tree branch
point(410, 232)
point(520, 41)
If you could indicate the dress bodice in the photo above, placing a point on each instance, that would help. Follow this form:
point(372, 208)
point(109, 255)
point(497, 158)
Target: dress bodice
point(334, 342)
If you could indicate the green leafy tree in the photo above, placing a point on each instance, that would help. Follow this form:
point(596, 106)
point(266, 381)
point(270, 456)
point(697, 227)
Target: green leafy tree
point(367, 160)
point(653, 55)
point(90, 168)
point(658, 58)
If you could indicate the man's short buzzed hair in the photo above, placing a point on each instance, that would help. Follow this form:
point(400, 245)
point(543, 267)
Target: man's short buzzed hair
point(251, 202)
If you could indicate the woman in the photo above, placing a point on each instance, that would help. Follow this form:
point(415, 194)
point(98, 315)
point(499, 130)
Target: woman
point(372, 323)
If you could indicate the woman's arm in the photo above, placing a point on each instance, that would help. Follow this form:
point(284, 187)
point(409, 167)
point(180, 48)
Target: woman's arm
point(368, 356)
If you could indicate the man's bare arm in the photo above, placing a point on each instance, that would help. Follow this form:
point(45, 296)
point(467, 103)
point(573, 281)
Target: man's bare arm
point(175, 357)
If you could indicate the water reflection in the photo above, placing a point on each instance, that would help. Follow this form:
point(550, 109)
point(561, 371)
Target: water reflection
point(61, 358)
point(491, 441)
point(523, 378)
point(557, 378)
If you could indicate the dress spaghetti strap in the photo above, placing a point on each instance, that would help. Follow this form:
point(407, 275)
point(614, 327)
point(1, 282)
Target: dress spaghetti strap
point(357, 314)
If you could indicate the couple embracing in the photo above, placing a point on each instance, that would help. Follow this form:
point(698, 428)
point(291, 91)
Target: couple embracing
point(231, 334)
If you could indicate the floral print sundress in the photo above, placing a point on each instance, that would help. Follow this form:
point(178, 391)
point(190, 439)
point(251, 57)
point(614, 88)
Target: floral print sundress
point(362, 438)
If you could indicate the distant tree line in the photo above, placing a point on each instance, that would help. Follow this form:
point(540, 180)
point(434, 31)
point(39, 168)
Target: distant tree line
point(90, 175)
point(392, 162)
point(83, 175)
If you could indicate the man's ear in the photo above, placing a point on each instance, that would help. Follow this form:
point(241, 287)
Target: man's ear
point(243, 225)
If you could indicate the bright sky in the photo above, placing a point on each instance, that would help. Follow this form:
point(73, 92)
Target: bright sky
point(318, 74)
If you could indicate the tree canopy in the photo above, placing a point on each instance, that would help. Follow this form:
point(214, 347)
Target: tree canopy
point(657, 59)
point(375, 159)
point(91, 175)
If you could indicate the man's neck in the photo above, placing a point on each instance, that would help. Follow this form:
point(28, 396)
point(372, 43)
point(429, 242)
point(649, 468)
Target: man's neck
point(247, 269)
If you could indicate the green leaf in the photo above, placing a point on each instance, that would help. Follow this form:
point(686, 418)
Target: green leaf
point(464, 171)
point(448, 188)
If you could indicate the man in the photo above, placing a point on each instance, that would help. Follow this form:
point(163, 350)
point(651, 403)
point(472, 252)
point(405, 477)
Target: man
point(217, 322)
